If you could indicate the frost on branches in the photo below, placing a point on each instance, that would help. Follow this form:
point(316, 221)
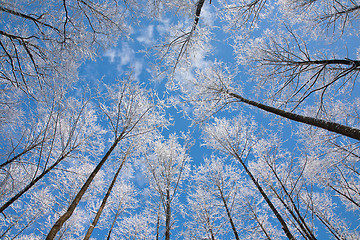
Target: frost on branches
point(239, 121)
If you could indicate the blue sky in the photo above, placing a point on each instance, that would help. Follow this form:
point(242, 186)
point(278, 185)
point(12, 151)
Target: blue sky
point(138, 55)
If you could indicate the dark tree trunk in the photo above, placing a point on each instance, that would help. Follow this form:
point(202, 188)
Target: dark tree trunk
point(54, 230)
point(229, 214)
point(168, 216)
point(113, 223)
point(268, 201)
point(103, 203)
point(330, 126)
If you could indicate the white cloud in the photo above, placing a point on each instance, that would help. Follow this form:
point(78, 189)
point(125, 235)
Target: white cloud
point(146, 35)
point(164, 26)
point(207, 15)
point(137, 66)
point(127, 54)
point(111, 54)
point(125, 59)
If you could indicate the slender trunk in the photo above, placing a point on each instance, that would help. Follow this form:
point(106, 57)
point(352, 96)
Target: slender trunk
point(330, 61)
point(300, 227)
point(297, 216)
point(168, 216)
point(330, 126)
point(33, 182)
point(54, 230)
point(113, 223)
point(103, 203)
point(209, 226)
point(262, 227)
point(20, 154)
point(264, 195)
point(158, 224)
point(212, 234)
point(229, 214)
point(330, 227)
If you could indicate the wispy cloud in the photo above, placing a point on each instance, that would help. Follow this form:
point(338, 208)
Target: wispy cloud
point(126, 54)
point(146, 35)
point(111, 54)
point(125, 58)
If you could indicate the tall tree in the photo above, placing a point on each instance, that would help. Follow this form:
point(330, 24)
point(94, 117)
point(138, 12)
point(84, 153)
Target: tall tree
point(41, 46)
point(64, 133)
point(285, 183)
point(217, 188)
point(130, 113)
point(108, 192)
point(237, 140)
point(168, 167)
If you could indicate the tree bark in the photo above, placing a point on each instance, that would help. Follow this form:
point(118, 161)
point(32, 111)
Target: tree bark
point(103, 203)
point(268, 201)
point(355, 63)
point(55, 229)
point(199, 6)
point(229, 214)
point(114, 220)
point(168, 216)
point(330, 126)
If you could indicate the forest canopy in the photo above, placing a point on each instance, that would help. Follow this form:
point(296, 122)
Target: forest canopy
point(179, 119)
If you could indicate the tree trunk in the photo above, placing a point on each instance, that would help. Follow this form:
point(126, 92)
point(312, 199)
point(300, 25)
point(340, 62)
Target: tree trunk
point(296, 215)
point(168, 216)
point(330, 126)
point(113, 223)
point(229, 214)
point(33, 182)
point(158, 223)
point(272, 207)
point(103, 203)
point(54, 230)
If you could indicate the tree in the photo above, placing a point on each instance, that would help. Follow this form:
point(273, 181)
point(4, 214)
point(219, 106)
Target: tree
point(237, 140)
point(205, 213)
point(167, 167)
point(271, 84)
point(217, 196)
point(130, 113)
point(59, 134)
point(107, 195)
point(136, 226)
point(45, 51)
point(125, 198)
point(283, 182)
point(294, 71)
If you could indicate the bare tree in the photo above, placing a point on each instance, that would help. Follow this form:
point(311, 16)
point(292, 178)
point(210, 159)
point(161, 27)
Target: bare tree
point(41, 46)
point(168, 167)
point(64, 134)
point(217, 185)
point(107, 195)
point(130, 113)
point(293, 73)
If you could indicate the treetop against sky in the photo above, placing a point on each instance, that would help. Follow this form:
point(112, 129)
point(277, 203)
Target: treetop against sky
point(179, 119)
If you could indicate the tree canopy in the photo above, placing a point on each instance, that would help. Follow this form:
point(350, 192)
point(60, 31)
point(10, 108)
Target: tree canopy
point(179, 119)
